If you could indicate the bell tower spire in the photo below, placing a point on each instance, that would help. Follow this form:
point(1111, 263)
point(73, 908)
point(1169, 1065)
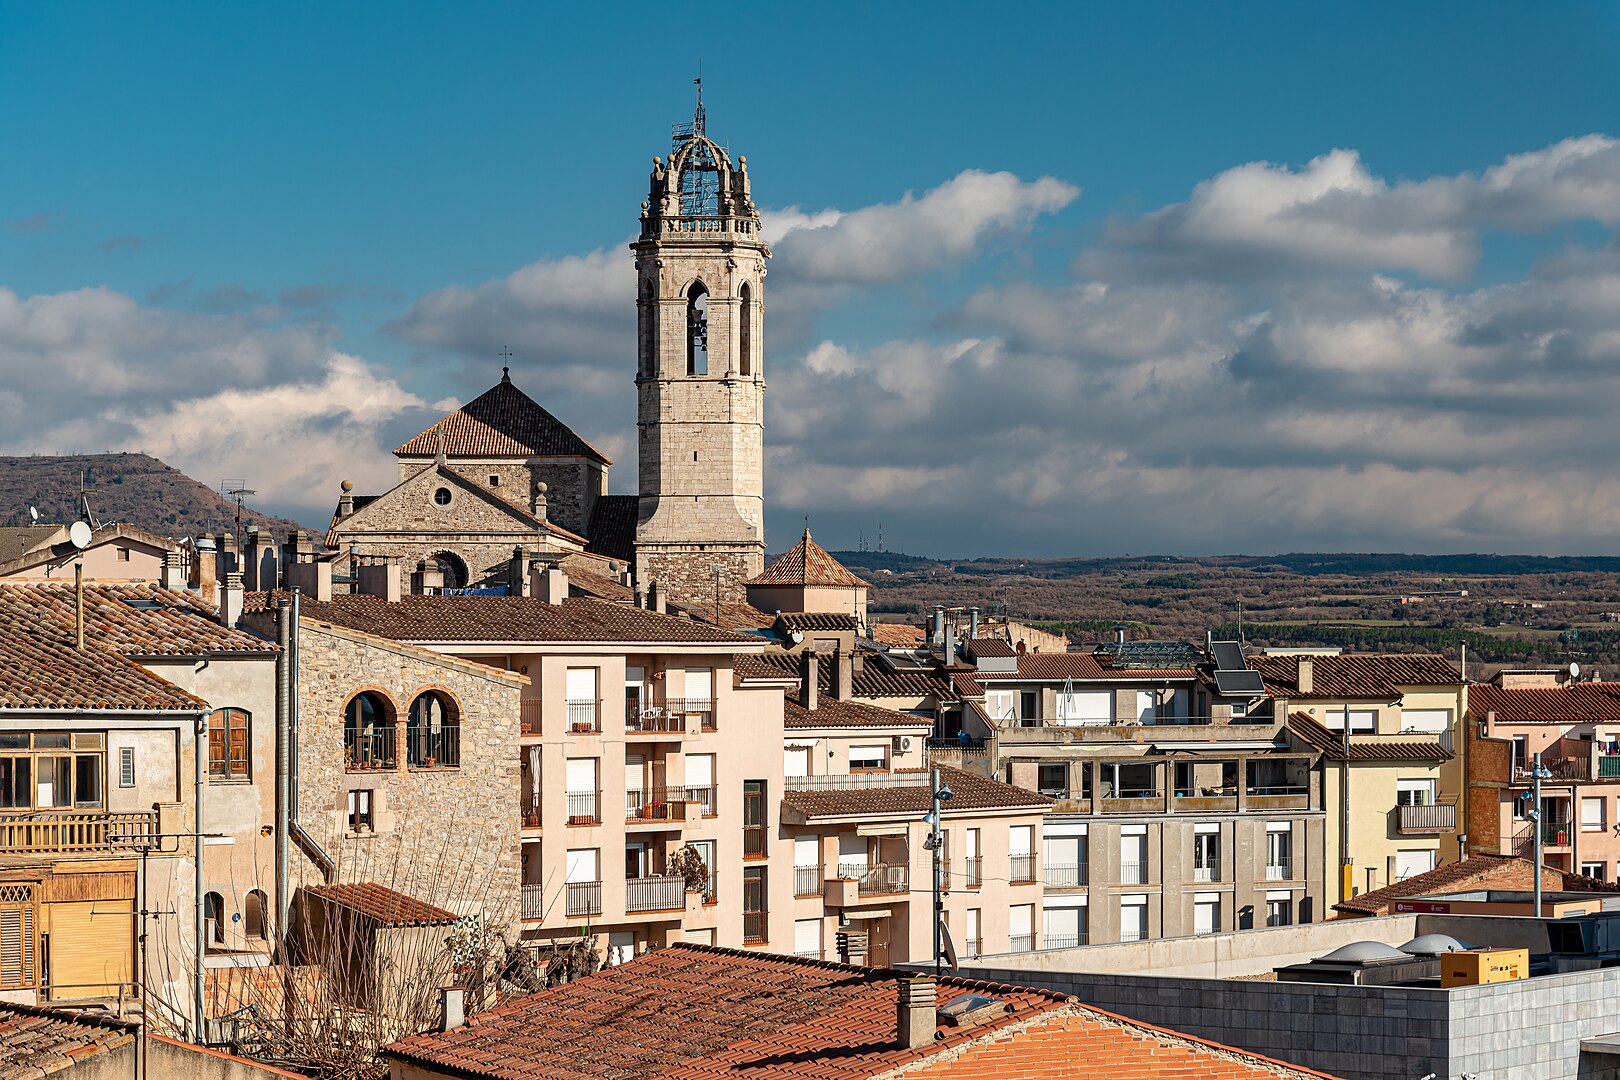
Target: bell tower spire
point(700, 266)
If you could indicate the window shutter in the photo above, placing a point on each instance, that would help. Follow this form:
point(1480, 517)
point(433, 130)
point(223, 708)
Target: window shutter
point(239, 746)
point(16, 938)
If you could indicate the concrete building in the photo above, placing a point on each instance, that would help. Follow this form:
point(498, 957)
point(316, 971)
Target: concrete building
point(1575, 727)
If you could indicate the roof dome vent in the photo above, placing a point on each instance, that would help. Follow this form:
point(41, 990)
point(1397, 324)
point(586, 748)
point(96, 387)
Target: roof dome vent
point(1433, 945)
point(1364, 952)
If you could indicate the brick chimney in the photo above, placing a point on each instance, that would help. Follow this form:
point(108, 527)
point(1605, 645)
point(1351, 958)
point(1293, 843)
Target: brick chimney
point(915, 1016)
point(1306, 680)
point(230, 600)
point(810, 678)
point(204, 569)
point(550, 582)
point(380, 579)
point(843, 675)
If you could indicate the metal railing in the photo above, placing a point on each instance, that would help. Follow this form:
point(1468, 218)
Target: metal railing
point(884, 879)
point(1022, 869)
point(73, 830)
point(1020, 942)
point(973, 946)
point(1280, 870)
point(584, 897)
point(806, 880)
point(529, 716)
point(584, 807)
point(754, 926)
point(367, 751)
point(653, 721)
point(1063, 941)
point(1210, 871)
point(808, 954)
point(704, 797)
point(1133, 935)
point(1426, 817)
point(1061, 875)
point(655, 804)
point(1276, 789)
point(753, 841)
point(426, 748)
point(1133, 873)
point(530, 813)
point(663, 893)
point(584, 716)
point(533, 902)
point(973, 871)
point(1609, 766)
point(698, 712)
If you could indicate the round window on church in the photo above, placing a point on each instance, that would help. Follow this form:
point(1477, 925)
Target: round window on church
point(442, 496)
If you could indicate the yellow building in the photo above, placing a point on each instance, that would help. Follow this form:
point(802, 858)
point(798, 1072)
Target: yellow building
point(1403, 773)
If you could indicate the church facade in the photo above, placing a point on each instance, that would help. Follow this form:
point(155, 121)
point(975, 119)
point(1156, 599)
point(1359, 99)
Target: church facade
point(501, 478)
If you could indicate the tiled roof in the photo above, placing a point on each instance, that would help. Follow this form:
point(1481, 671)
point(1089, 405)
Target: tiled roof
point(613, 527)
point(511, 618)
point(830, 712)
point(1552, 704)
point(134, 620)
point(758, 667)
point(1361, 675)
point(990, 646)
point(875, 680)
point(807, 563)
point(691, 1012)
point(18, 540)
point(734, 615)
point(898, 635)
point(381, 904)
point(1483, 871)
point(1057, 667)
point(969, 791)
point(595, 578)
point(1330, 743)
point(503, 421)
point(39, 1041)
point(818, 620)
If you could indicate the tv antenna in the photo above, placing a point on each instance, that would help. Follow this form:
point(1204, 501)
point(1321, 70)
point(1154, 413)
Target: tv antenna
point(84, 500)
point(237, 490)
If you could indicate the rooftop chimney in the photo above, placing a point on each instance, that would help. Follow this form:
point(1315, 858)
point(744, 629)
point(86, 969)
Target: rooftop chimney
point(949, 647)
point(973, 623)
point(811, 678)
point(550, 582)
point(230, 600)
point(381, 579)
point(843, 675)
point(428, 579)
point(1307, 675)
point(204, 568)
point(915, 1016)
point(517, 573)
point(314, 578)
point(259, 561)
point(174, 571)
point(655, 596)
point(939, 625)
point(452, 1008)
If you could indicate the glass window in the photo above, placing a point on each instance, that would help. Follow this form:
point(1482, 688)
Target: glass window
point(753, 818)
point(360, 819)
point(796, 761)
point(1415, 792)
point(869, 758)
point(1592, 807)
point(368, 732)
point(1279, 912)
point(1052, 779)
point(228, 753)
point(1206, 914)
point(433, 732)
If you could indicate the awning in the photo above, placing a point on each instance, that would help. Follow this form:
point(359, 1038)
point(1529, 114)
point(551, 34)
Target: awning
point(869, 913)
point(886, 829)
point(1213, 746)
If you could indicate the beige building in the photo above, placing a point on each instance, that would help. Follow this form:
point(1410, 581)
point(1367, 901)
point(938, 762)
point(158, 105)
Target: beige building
point(1403, 780)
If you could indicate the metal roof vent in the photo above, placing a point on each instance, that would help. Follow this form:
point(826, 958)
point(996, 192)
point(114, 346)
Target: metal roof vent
point(969, 1010)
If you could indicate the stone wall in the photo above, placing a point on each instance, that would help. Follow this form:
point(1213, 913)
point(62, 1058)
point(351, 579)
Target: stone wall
point(448, 836)
point(686, 574)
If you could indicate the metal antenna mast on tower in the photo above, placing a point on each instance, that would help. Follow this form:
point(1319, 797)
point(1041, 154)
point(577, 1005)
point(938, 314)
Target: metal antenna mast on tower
point(238, 490)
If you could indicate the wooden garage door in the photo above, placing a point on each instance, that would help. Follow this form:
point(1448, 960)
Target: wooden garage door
point(91, 947)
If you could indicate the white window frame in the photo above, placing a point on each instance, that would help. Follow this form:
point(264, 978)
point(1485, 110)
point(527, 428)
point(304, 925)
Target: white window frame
point(869, 757)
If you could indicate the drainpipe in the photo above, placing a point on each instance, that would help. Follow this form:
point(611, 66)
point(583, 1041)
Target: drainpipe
point(200, 754)
point(283, 760)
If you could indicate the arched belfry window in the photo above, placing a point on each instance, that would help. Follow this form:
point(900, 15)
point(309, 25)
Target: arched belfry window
point(745, 331)
point(697, 329)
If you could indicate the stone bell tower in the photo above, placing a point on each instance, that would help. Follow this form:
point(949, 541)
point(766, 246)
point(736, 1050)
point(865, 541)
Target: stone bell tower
point(700, 264)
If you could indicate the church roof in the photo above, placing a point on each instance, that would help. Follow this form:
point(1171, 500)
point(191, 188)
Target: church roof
point(503, 421)
point(807, 563)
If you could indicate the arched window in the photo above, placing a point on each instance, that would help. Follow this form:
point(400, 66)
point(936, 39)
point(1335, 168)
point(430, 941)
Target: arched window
point(745, 331)
point(433, 732)
point(697, 330)
point(255, 915)
point(214, 918)
point(453, 569)
point(368, 732)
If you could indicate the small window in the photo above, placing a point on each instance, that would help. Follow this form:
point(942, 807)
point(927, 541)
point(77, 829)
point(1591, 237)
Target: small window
point(1595, 870)
point(360, 819)
point(442, 496)
point(123, 554)
point(494, 479)
point(126, 766)
point(697, 330)
point(214, 917)
point(869, 758)
point(1415, 792)
point(228, 745)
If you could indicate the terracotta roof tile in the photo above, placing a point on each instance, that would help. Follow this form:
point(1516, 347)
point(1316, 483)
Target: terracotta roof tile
point(1546, 704)
point(382, 904)
point(875, 680)
point(969, 792)
point(1361, 675)
point(18, 540)
point(1483, 871)
point(830, 712)
point(818, 620)
point(990, 646)
point(512, 618)
point(690, 1012)
point(503, 421)
point(807, 563)
point(1330, 743)
point(39, 1041)
point(899, 635)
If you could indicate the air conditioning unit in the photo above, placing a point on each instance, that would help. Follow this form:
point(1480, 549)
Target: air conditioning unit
point(902, 744)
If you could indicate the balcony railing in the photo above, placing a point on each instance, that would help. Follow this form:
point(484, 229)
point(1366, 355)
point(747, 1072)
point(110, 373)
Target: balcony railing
point(753, 841)
point(698, 712)
point(530, 813)
point(584, 898)
point(704, 797)
point(1063, 941)
point(1432, 817)
point(366, 751)
point(529, 716)
point(973, 946)
point(1065, 875)
point(666, 893)
point(584, 716)
point(584, 808)
point(1609, 766)
point(884, 879)
point(655, 804)
point(807, 881)
point(1133, 873)
point(754, 925)
point(1022, 869)
point(973, 871)
point(1280, 870)
point(74, 830)
point(534, 901)
point(426, 748)
point(653, 721)
point(1020, 942)
point(1210, 871)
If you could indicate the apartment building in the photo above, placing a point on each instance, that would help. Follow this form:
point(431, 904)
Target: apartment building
point(1178, 809)
point(633, 742)
point(1400, 784)
point(1575, 727)
point(104, 706)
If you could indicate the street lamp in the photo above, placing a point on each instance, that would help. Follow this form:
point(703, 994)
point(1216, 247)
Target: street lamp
point(939, 794)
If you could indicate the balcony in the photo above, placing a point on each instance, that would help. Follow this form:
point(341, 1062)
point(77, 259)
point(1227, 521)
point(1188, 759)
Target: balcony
point(584, 808)
point(370, 751)
point(529, 716)
point(1280, 869)
point(654, 722)
point(666, 893)
point(1609, 767)
point(753, 841)
point(1210, 801)
point(75, 830)
point(1022, 869)
point(807, 881)
point(698, 713)
point(533, 902)
point(754, 926)
point(704, 797)
point(1133, 802)
point(1065, 875)
point(653, 805)
point(1277, 797)
point(973, 871)
point(973, 946)
point(584, 717)
point(1430, 818)
point(529, 812)
point(884, 879)
point(954, 751)
point(426, 748)
point(1209, 871)
point(1064, 941)
point(1133, 873)
point(1021, 943)
point(584, 897)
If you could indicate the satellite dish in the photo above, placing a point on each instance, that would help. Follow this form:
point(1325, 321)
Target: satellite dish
point(1574, 669)
point(33, 513)
point(79, 535)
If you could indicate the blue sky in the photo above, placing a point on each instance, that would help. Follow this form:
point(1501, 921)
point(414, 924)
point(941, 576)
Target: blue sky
point(334, 216)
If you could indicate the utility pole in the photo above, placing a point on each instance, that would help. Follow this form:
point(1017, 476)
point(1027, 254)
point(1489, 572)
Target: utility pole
point(1347, 872)
point(940, 794)
point(1537, 775)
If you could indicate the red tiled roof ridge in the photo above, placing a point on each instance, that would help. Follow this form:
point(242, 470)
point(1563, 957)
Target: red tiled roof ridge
point(1330, 743)
point(1458, 874)
point(1546, 704)
point(405, 648)
point(807, 563)
point(389, 907)
point(503, 421)
point(1181, 1037)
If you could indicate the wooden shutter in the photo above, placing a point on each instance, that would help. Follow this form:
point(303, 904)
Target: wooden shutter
point(17, 946)
point(91, 951)
point(239, 743)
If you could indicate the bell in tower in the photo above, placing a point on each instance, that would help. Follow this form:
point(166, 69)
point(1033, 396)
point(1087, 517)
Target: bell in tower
point(700, 264)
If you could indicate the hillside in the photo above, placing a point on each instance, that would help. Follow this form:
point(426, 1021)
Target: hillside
point(125, 487)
